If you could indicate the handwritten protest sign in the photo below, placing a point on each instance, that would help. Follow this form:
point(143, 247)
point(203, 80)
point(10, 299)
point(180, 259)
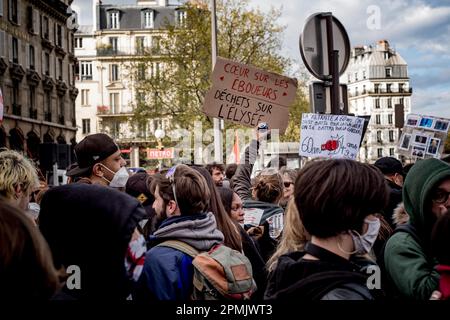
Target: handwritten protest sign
point(252, 216)
point(246, 95)
point(423, 136)
point(330, 136)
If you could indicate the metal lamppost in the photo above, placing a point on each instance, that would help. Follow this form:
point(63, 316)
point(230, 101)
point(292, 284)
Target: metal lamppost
point(160, 134)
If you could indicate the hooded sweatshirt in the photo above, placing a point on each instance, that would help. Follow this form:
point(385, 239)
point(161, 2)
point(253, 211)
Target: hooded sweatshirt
point(409, 264)
point(168, 272)
point(90, 226)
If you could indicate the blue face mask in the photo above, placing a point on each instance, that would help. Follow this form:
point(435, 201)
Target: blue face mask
point(364, 243)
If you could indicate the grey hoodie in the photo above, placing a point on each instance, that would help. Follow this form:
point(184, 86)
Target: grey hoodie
point(199, 232)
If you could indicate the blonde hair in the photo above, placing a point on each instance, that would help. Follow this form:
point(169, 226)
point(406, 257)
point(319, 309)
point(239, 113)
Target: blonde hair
point(294, 236)
point(16, 170)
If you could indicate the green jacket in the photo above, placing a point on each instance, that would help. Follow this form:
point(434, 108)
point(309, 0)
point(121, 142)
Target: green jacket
point(409, 264)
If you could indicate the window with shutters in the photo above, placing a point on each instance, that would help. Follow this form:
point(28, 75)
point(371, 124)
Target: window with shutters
point(155, 69)
point(85, 97)
point(389, 87)
point(377, 103)
point(148, 19)
point(30, 23)
point(86, 126)
point(3, 39)
point(13, 11)
point(181, 17)
point(86, 70)
point(32, 102)
point(114, 72)
point(59, 35)
point(31, 57)
point(380, 152)
point(78, 43)
point(47, 64)
point(390, 119)
point(388, 72)
point(113, 42)
point(389, 102)
point(114, 102)
point(113, 20)
point(391, 135)
point(60, 69)
point(379, 136)
point(378, 119)
point(391, 152)
point(141, 72)
point(140, 45)
point(45, 28)
point(15, 50)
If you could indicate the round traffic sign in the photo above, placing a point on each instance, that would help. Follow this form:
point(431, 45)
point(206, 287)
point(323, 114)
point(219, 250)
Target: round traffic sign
point(314, 48)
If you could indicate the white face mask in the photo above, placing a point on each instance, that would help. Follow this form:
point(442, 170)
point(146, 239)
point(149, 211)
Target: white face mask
point(120, 177)
point(364, 243)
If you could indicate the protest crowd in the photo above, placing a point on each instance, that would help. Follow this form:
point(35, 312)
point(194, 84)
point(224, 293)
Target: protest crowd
point(336, 229)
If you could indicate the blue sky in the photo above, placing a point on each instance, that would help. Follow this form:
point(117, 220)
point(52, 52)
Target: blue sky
point(418, 29)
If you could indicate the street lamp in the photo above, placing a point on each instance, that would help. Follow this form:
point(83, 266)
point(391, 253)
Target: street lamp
point(160, 134)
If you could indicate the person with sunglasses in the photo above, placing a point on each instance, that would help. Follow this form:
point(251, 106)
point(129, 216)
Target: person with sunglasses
point(289, 177)
point(408, 261)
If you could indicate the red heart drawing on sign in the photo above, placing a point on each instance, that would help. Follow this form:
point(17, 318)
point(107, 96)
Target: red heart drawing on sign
point(284, 94)
point(221, 78)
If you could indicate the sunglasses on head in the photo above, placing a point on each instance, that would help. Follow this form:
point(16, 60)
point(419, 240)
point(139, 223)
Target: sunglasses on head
point(171, 176)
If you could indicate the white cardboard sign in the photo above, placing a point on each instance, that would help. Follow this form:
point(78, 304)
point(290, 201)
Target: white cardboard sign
point(330, 136)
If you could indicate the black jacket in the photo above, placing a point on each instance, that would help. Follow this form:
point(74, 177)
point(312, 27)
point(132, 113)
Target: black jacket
point(330, 278)
point(90, 226)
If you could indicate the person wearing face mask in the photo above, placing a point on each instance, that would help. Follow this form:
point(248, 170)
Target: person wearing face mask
point(99, 161)
point(340, 228)
point(408, 257)
point(392, 170)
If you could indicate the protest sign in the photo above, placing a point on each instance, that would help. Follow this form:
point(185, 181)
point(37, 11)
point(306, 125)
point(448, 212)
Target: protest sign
point(246, 95)
point(252, 216)
point(423, 136)
point(330, 136)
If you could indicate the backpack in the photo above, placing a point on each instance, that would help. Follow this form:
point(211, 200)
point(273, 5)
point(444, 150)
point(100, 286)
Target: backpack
point(220, 273)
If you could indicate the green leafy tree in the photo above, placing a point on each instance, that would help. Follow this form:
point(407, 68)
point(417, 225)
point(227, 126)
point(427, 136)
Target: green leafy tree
point(177, 90)
point(447, 144)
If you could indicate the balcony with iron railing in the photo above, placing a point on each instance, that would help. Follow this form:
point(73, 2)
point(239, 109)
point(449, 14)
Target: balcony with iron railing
point(106, 111)
point(107, 51)
point(381, 92)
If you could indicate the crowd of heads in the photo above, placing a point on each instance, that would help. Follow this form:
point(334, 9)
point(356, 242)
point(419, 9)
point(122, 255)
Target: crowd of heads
point(342, 206)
